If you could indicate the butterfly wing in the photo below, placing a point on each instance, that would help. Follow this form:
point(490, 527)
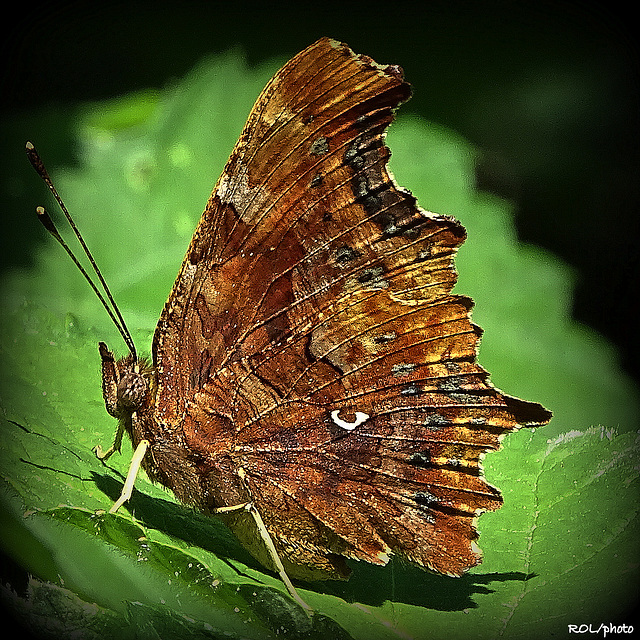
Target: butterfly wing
point(312, 338)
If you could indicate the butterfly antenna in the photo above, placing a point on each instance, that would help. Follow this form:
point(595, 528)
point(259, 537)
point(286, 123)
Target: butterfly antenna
point(47, 222)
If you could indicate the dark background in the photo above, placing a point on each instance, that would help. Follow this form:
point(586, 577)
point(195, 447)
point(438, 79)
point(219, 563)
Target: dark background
point(548, 91)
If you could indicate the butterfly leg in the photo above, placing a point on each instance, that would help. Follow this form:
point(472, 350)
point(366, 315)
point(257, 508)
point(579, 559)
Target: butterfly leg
point(117, 443)
point(268, 541)
point(127, 490)
point(134, 467)
point(273, 552)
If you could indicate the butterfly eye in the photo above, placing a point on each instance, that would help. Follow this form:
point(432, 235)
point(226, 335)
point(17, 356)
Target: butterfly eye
point(132, 389)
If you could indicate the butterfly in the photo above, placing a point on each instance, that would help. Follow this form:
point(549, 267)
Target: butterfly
point(313, 378)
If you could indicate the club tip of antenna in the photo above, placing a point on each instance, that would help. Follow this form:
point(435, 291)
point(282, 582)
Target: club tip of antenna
point(47, 222)
point(34, 159)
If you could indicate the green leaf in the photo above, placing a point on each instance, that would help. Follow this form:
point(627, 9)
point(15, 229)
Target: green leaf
point(561, 550)
point(62, 614)
point(584, 535)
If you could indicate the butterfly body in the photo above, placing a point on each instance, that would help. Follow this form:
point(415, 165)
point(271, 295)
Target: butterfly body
point(311, 358)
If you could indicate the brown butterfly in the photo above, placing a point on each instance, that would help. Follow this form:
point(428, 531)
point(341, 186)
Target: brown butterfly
point(313, 378)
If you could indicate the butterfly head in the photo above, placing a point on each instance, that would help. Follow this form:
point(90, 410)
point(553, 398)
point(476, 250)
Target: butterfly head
point(127, 384)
